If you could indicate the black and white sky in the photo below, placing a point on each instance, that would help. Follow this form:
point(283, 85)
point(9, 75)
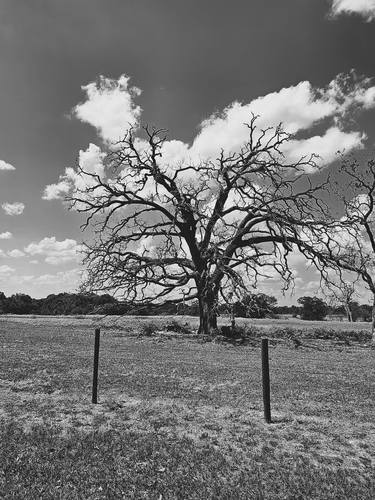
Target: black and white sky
point(75, 73)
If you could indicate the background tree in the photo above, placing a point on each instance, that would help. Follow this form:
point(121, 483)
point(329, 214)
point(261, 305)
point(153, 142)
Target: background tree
point(19, 303)
point(3, 303)
point(292, 310)
point(202, 227)
point(364, 312)
point(352, 244)
point(359, 312)
point(342, 292)
point(257, 305)
point(313, 308)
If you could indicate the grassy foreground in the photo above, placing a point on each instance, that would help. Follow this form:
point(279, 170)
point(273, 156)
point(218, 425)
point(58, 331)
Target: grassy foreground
point(180, 419)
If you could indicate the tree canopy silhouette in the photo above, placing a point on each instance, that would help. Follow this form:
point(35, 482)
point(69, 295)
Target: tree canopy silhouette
point(198, 230)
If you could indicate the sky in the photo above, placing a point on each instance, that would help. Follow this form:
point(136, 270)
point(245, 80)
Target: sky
point(74, 74)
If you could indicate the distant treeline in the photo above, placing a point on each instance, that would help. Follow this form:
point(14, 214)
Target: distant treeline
point(60, 304)
point(78, 303)
point(253, 306)
point(256, 305)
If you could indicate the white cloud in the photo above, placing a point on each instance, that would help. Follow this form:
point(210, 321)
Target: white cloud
point(299, 108)
point(6, 166)
point(56, 191)
point(109, 107)
point(6, 236)
point(6, 271)
point(16, 254)
point(71, 276)
point(67, 279)
point(295, 106)
point(15, 208)
point(365, 8)
point(312, 286)
point(26, 278)
point(39, 286)
point(91, 161)
point(55, 252)
point(34, 261)
point(326, 146)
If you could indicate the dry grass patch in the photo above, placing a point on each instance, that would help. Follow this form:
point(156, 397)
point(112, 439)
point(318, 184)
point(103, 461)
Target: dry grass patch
point(180, 419)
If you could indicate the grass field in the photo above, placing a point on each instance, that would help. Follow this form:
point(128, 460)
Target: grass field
point(178, 418)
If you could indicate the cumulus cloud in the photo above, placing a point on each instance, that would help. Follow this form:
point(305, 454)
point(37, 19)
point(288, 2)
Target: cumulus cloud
point(364, 8)
point(39, 285)
point(327, 145)
point(299, 108)
point(6, 271)
point(55, 252)
point(6, 235)
point(109, 107)
point(6, 166)
point(15, 208)
point(66, 279)
point(16, 254)
point(90, 160)
point(56, 191)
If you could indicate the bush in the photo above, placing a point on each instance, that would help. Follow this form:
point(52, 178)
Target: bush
point(147, 330)
point(313, 308)
point(175, 326)
point(239, 333)
point(322, 334)
point(293, 334)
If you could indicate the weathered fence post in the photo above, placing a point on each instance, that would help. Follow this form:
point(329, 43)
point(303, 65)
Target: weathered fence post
point(96, 366)
point(266, 381)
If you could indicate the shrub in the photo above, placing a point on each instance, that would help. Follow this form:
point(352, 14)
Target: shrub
point(147, 330)
point(239, 333)
point(175, 326)
point(322, 334)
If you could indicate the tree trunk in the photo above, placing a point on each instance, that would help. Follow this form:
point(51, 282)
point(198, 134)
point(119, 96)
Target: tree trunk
point(349, 313)
point(373, 320)
point(207, 315)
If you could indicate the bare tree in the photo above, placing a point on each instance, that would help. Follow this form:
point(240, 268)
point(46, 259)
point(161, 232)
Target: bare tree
point(352, 244)
point(342, 292)
point(202, 228)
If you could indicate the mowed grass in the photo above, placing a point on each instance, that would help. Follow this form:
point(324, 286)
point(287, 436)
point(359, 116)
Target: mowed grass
point(178, 418)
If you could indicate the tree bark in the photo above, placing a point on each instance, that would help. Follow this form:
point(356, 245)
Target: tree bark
point(373, 320)
point(207, 314)
point(349, 313)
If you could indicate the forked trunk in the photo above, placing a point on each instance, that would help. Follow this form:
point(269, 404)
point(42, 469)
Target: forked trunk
point(207, 315)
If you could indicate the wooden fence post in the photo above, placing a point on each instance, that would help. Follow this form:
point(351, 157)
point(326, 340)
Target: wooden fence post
point(266, 381)
point(96, 366)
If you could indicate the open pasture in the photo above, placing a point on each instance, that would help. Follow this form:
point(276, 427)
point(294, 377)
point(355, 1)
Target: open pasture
point(178, 418)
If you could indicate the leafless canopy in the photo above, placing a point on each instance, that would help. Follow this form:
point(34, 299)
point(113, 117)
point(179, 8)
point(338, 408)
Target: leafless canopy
point(352, 243)
point(358, 250)
point(201, 227)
